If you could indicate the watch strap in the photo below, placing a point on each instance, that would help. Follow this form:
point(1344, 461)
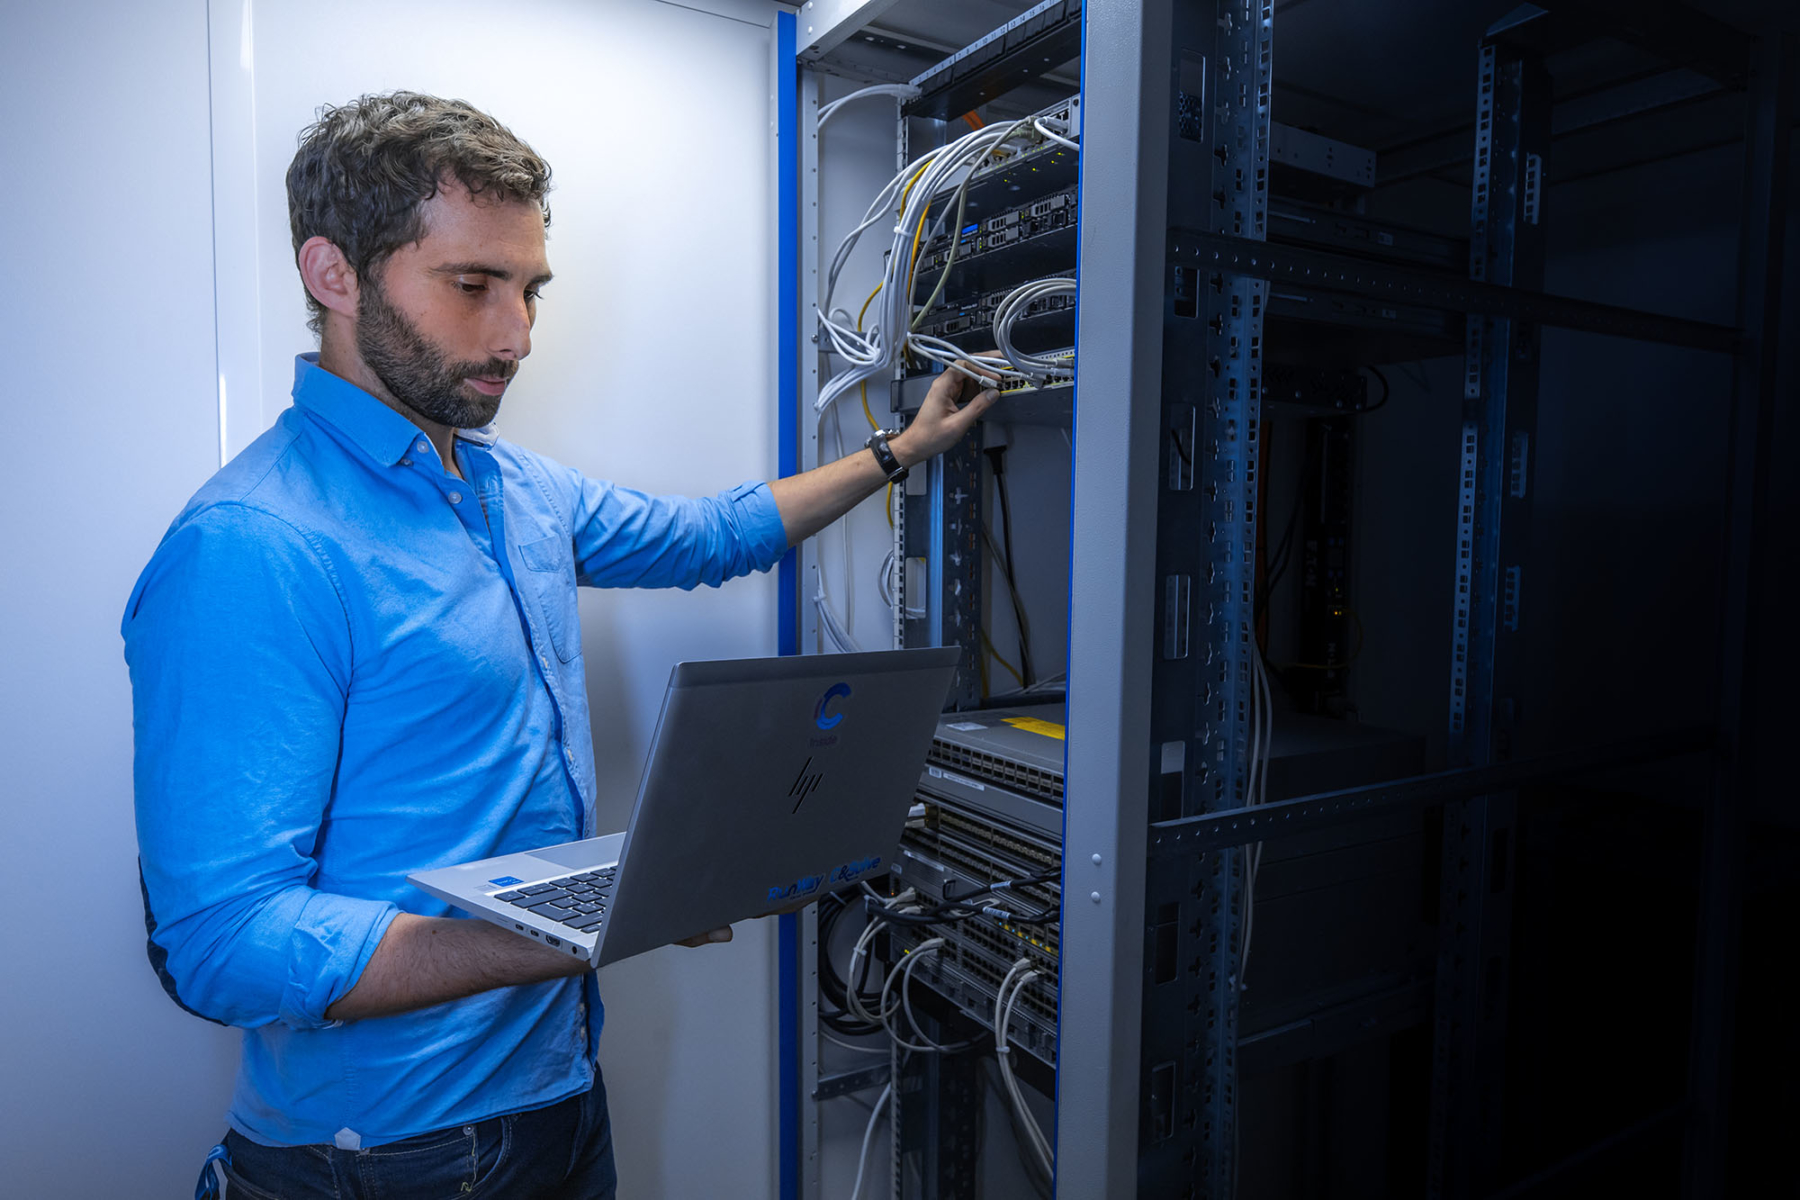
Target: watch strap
point(884, 456)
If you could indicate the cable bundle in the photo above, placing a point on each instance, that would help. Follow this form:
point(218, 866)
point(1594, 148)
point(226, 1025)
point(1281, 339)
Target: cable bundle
point(910, 193)
point(1004, 1001)
point(1035, 367)
point(861, 1012)
point(900, 91)
point(1256, 790)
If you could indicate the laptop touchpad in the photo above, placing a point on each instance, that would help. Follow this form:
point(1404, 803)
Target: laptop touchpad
point(593, 852)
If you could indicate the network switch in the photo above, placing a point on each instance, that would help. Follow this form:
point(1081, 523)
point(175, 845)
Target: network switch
point(1030, 153)
point(977, 238)
point(975, 316)
point(990, 801)
point(954, 850)
point(1020, 749)
point(1020, 403)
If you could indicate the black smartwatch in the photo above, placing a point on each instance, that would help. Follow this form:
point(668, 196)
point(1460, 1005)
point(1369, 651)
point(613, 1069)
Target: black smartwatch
point(890, 466)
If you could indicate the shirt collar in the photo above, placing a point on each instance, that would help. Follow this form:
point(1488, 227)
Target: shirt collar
point(382, 433)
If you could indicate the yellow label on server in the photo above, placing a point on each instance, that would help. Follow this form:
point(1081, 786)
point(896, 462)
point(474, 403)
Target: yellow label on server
point(1033, 725)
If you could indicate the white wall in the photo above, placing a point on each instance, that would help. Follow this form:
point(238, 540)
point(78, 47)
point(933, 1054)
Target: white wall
point(651, 365)
point(106, 1088)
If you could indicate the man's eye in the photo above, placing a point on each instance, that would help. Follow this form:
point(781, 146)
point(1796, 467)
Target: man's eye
point(470, 289)
point(534, 295)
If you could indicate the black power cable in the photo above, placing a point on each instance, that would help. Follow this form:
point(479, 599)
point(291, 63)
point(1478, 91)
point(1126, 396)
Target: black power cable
point(833, 985)
point(953, 911)
point(1283, 556)
point(996, 456)
point(1386, 390)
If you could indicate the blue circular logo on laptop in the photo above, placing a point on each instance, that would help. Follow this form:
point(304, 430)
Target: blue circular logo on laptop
point(836, 691)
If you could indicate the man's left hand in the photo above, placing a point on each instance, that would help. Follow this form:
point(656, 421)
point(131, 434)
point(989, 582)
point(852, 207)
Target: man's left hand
point(951, 408)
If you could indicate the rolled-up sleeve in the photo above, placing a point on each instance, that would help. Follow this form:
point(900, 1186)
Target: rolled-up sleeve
point(240, 657)
point(626, 538)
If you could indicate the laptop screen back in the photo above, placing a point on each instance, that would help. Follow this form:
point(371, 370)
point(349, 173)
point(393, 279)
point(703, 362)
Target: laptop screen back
point(771, 781)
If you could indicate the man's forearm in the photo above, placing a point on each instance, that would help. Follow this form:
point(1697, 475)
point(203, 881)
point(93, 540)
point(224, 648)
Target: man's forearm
point(423, 961)
point(810, 502)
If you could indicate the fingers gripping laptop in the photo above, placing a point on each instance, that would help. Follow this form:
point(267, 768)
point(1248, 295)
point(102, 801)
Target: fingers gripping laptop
point(769, 781)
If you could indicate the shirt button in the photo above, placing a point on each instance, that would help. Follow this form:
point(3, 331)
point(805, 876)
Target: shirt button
point(569, 755)
point(406, 462)
point(424, 446)
point(456, 497)
point(544, 661)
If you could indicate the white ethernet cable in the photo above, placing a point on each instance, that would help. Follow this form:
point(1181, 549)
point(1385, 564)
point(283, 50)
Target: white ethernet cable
point(838, 1041)
point(903, 977)
point(905, 902)
point(1058, 138)
point(885, 584)
point(836, 630)
point(1003, 1010)
point(833, 629)
point(1256, 790)
point(1035, 367)
point(900, 91)
point(874, 351)
point(869, 352)
point(862, 1158)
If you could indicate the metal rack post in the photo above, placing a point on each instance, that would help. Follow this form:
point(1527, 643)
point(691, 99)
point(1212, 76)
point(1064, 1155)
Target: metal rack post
point(1512, 140)
point(1126, 123)
point(1176, 135)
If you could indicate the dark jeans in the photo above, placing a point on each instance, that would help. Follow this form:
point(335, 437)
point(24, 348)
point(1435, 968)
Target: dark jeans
point(563, 1152)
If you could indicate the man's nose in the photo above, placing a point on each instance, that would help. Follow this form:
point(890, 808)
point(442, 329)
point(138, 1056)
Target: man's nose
point(512, 340)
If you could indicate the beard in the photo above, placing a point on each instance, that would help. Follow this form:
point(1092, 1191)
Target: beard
point(417, 373)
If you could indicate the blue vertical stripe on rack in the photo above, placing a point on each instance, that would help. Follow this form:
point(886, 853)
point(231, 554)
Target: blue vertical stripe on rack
point(787, 399)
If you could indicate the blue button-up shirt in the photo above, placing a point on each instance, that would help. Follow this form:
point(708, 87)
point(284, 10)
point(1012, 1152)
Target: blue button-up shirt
point(347, 664)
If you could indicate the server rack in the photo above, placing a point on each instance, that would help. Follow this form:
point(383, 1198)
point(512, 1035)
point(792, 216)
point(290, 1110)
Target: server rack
point(1176, 152)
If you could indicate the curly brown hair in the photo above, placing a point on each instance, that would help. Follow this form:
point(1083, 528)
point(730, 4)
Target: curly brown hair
point(363, 170)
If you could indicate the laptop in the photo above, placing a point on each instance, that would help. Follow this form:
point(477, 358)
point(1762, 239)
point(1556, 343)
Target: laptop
point(770, 782)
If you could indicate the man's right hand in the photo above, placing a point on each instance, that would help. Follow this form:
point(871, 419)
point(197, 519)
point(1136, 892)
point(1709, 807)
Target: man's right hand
point(709, 938)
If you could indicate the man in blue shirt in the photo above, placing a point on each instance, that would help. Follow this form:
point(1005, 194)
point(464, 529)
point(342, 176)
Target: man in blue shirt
point(356, 654)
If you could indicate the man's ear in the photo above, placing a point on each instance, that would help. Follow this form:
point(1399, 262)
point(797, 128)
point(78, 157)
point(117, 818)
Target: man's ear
point(328, 276)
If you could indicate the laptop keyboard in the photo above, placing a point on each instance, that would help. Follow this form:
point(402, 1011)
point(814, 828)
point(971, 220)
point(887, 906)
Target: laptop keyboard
point(578, 901)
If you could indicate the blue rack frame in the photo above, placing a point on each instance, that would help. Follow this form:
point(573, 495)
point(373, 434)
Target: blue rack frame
point(787, 216)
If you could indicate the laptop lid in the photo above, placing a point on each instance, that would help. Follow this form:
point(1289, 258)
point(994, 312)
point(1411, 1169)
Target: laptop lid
point(770, 781)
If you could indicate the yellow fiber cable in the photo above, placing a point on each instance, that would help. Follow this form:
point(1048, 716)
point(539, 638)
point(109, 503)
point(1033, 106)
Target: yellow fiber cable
point(1010, 670)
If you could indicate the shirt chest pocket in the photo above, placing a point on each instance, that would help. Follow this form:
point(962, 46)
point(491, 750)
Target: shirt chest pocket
point(549, 586)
